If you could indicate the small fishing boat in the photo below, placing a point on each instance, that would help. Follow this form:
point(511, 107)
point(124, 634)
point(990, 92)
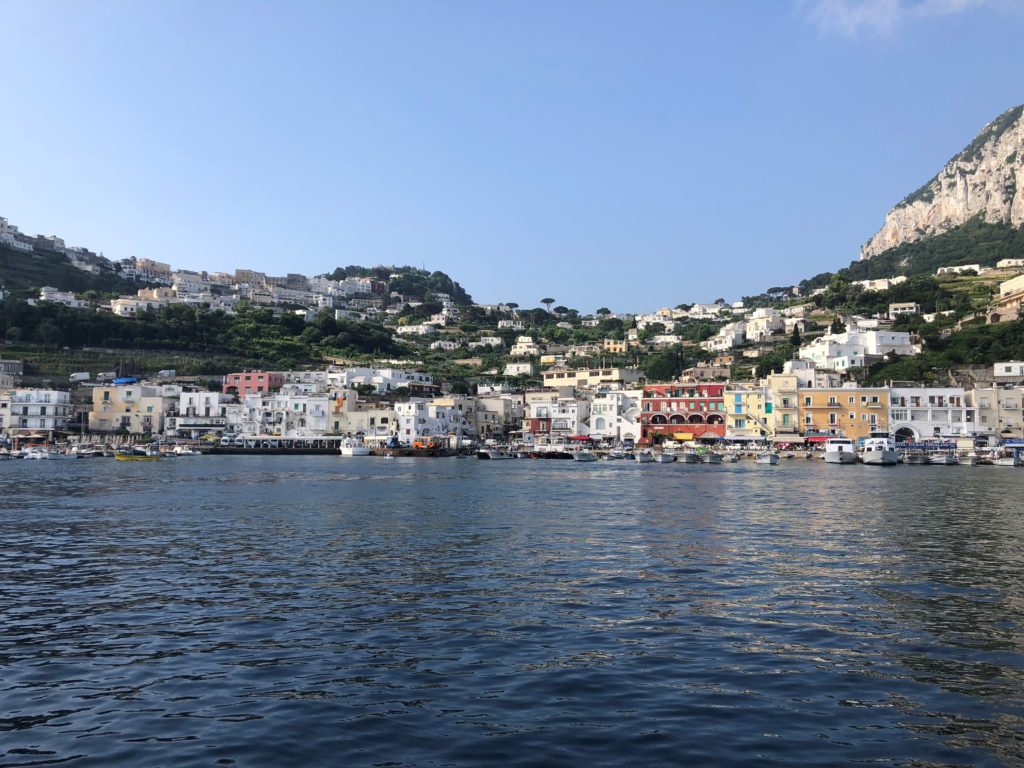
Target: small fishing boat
point(665, 457)
point(688, 456)
point(138, 454)
point(942, 457)
point(494, 454)
point(584, 454)
point(644, 457)
point(710, 457)
point(350, 447)
point(767, 457)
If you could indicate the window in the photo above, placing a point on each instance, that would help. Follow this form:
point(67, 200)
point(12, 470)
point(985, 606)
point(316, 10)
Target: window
point(807, 420)
point(832, 419)
point(807, 402)
point(741, 423)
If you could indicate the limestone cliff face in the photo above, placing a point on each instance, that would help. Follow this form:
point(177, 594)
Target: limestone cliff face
point(980, 181)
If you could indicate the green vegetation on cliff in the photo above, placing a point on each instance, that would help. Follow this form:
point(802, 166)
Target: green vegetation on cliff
point(975, 242)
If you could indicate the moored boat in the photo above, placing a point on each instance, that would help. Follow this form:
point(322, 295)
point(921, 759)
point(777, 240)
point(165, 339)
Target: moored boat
point(688, 456)
point(942, 457)
point(494, 454)
point(138, 454)
point(350, 447)
point(767, 457)
point(880, 452)
point(644, 457)
point(665, 457)
point(710, 457)
point(584, 455)
point(840, 450)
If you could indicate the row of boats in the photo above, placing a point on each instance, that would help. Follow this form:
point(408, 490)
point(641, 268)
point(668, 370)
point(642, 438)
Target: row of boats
point(883, 451)
point(876, 451)
point(130, 453)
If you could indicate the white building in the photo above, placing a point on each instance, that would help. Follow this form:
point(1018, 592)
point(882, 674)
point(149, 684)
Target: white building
point(763, 323)
point(67, 298)
point(421, 329)
point(198, 413)
point(881, 284)
point(383, 379)
point(34, 411)
point(615, 415)
point(959, 270)
point(518, 369)
point(928, 413)
point(729, 335)
point(842, 351)
point(557, 417)
point(1008, 372)
point(1010, 264)
point(445, 345)
point(420, 419)
point(524, 347)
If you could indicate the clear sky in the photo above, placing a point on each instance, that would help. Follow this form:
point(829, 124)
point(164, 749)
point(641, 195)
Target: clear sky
point(630, 154)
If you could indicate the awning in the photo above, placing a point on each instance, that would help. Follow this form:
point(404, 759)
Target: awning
point(742, 438)
point(795, 440)
point(683, 436)
point(819, 438)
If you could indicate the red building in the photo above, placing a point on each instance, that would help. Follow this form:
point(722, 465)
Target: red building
point(682, 410)
point(251, 382)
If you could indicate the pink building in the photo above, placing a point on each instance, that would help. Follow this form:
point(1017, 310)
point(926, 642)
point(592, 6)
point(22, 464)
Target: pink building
point(250, 382)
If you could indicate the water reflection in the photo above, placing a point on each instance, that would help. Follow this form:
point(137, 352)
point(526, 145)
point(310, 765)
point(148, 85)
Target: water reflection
point(521, 613)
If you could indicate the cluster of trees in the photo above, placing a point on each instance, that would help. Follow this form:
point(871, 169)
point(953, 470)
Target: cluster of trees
point(414, 284)
point(253, 332)
point(929, 293)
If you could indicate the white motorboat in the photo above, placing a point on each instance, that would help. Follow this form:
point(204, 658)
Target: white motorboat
point(880, 452)
point(942, 457)
point(711, 458)
point(689, 456)
point(615, 455)
point(665, 457)
point(584, 454)
point(767, 457)
point(840, 450)
point(350, 447)
point(915, 457)
point(494, 454)
point(1007, 460)
point(644, 457)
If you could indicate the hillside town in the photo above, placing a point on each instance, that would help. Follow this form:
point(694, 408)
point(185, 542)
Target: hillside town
point(535, 376)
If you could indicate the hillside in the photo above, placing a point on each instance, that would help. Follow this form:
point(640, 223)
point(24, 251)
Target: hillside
point(979, 183)
point(23, 271)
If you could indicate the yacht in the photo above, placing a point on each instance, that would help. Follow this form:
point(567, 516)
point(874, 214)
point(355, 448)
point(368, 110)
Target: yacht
point(880, 452)
point(840, 450)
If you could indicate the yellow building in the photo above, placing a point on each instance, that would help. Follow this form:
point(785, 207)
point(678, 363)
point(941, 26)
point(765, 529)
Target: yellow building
point(785, 416)
point(853, 412)
point(138, 409)
point(749, 412)
point(615, 346)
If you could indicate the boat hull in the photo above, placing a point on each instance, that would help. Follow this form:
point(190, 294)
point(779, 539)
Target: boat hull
point(881, 459)
point(840, 457)
point(767, 458)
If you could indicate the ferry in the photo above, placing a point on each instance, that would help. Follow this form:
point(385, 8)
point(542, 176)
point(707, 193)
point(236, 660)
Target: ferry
point(880, 452)
point(840, 450)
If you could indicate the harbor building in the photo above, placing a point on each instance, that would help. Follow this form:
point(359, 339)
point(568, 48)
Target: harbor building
point(683, 410)
point(852, 412)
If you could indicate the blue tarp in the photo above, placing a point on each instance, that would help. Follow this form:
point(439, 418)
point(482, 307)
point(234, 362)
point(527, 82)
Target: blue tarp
point(126, 380)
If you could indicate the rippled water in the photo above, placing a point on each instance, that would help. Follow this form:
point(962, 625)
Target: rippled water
point(267, 611)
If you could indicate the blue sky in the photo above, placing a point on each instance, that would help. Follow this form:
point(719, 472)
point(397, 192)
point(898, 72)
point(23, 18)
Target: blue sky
point(630, 155)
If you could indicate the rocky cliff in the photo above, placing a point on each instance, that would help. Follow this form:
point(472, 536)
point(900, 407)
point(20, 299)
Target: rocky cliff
point(979, 182)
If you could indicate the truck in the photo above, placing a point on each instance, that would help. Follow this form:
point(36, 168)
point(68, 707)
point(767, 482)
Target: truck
point(79, 376)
